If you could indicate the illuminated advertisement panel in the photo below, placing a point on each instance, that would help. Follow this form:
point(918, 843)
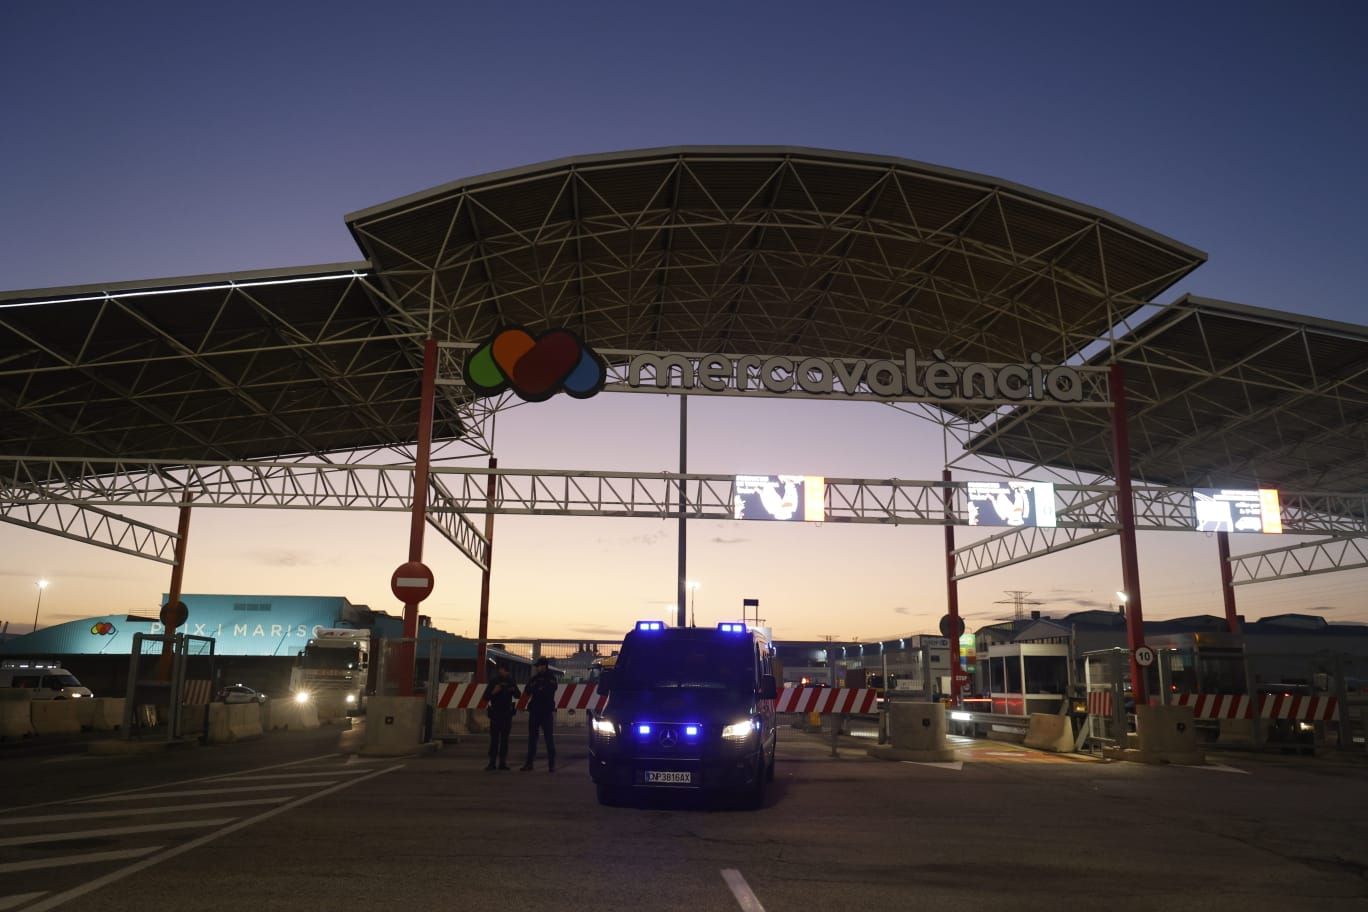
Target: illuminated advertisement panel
point(1224, 510)
point(786, 498)
point(1011, 503)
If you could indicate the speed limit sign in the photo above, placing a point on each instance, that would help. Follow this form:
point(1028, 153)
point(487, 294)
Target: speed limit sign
point(1144, 656)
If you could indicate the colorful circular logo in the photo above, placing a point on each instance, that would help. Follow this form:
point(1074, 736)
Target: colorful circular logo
point(535, 367)
point(104, 628)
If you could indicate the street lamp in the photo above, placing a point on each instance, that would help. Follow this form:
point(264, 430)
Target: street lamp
point(693, 590)
point(41, 584)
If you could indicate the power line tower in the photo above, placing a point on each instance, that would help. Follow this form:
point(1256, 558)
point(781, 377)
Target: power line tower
point(1018, 601)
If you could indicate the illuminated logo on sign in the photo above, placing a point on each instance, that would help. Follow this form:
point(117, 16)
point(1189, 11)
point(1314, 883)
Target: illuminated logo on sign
point(786, 498)
point(535, 368)
point(104, 628)
point(1223, 510)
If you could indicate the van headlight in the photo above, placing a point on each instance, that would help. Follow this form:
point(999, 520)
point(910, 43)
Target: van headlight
point(302, 696)
point(602, 726)
point(351, 698)
point(739, 731)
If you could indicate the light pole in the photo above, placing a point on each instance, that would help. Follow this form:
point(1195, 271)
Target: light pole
point(693, 590)
point(41, 584)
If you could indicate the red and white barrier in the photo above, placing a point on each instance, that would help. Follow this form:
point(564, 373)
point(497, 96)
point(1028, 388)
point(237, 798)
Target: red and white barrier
point(826, 700)
point(1100, 702)
point(196, 692)
point(1271, 706)
point(471, 696)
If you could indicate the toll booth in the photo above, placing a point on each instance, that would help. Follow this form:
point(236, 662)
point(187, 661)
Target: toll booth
point(1025, 678)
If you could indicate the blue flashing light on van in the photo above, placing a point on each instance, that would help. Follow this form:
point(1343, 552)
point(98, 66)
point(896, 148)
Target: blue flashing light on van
point(698, 706)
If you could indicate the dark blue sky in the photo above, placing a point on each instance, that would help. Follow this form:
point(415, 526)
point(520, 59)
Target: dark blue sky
point(158, 139)
point(152, 140)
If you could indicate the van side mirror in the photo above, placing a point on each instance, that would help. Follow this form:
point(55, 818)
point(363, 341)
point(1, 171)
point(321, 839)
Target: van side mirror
point(605, 682)
point(769, 690)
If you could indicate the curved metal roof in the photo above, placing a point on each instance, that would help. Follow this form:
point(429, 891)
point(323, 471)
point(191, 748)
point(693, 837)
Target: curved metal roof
point(1219, 395)
point(770, 250)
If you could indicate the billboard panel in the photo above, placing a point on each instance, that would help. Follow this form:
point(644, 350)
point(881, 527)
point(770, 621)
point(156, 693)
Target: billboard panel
point(1011, 503)
point(785, 498)
point(1226, 510)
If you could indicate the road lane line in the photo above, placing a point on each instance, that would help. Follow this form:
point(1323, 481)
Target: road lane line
point(331, 772)
point(18, 899)
point(64, 860)
point(948, 764)
point(222, 791)
point(1214, 767)
point(138, 812)
point(53, 902)
point(36, 838)
point(144, 788)
point(741, 890)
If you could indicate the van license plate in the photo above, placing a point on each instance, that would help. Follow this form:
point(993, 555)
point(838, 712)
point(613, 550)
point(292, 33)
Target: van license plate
point(670, 777)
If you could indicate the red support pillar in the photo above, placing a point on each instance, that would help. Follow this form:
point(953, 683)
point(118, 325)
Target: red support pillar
point(957, 676)
point(483, 642)
point(418, 520)
point(1125, 514)
point(1227, 581)
point(177, 578)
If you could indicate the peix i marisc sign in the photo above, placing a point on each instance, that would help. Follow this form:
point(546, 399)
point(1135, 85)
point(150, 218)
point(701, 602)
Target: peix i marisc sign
point(912, 378)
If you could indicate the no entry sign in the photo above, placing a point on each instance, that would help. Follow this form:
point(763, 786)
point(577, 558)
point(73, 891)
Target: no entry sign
point(412, 582)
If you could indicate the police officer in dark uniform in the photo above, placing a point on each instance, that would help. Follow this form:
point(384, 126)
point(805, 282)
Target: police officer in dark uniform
point(501, 699)
point(541, 714)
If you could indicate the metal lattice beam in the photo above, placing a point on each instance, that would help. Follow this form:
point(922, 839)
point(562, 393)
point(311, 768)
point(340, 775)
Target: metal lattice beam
point(84, 523)
point(1305, 559)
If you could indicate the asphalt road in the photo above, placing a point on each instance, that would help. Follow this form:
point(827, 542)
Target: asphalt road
point(294, 822)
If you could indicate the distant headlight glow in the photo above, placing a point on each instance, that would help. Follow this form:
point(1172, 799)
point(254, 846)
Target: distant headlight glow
point(351, 698)
point(302, 696)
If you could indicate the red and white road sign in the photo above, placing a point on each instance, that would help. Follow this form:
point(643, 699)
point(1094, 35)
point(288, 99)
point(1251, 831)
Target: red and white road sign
point(412, 582)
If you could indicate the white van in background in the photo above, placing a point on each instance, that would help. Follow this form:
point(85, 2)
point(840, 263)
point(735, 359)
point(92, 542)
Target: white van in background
point(44, 680)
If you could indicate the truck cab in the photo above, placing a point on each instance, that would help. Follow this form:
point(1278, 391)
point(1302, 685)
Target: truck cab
point(688, 709)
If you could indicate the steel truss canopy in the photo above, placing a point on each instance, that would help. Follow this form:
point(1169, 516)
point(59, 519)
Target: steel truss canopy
point(752, 250)
point(1220, 395)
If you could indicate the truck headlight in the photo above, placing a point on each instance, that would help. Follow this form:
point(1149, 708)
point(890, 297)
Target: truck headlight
point(351, 698)
point(602, 726)
point(739, 731)
point(302, 696)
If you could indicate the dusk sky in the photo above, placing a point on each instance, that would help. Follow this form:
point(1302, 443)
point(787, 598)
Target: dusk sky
point(144, 141)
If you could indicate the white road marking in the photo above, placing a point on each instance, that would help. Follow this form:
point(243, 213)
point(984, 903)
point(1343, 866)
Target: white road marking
point(741, 890)
point(137, 796)
point(54, 901)
point(18, 899)
point(137, 812)
point(950, 764)
point(36, 838)
point(1214, 767)
point(331, 772)
point(259, 769)
point(64, 860)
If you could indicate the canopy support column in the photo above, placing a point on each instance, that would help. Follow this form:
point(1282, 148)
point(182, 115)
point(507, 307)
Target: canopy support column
point(1125, 514)
point(1227, 581)
point(482, 645)
point(681, 618)
point(421, 462)
point(958, 679)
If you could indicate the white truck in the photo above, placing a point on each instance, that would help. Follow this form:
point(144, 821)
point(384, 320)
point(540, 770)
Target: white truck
point(332, 671)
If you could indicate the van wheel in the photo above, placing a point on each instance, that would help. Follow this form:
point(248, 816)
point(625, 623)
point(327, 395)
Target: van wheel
point(769, 770)
point(754, 798)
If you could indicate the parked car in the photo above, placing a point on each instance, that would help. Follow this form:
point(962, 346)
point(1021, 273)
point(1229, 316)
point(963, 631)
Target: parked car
point(239, 693)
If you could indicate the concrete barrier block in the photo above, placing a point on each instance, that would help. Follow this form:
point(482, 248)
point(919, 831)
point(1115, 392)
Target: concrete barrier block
point(1050, 732)
point(293, 716)
point(16, 720)
point(916, 731)
point(394, 726)
point(1165, 735)
point(192, 721)
point(1235, 732)
point(451, 722)
point(244, 720)
point(106, 713)
point(571, 718)
point(217, 730)
point(55, 717)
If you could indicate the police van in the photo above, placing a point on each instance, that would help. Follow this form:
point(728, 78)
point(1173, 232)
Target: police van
point(687, 709)
point(43, 680)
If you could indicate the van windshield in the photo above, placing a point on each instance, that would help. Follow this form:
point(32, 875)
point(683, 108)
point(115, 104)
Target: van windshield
point(57, 682)
point(331, 657)
point(716, 663)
